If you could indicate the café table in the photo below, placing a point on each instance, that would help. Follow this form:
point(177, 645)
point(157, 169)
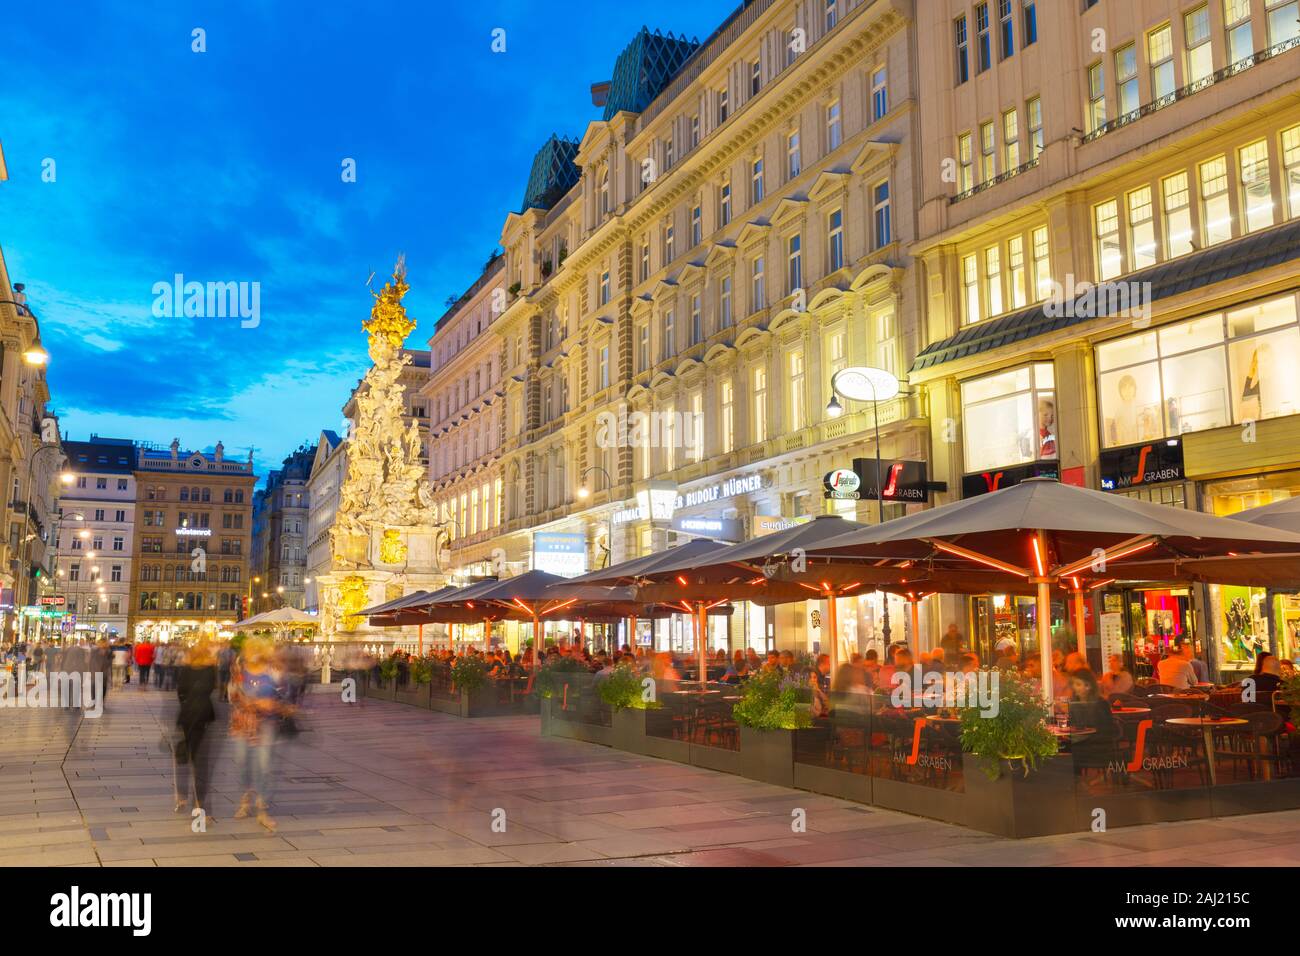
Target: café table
point(1070, 732)
point(1130, 711)
point(1183, 695)
point(944, 720)
point(1208, 725)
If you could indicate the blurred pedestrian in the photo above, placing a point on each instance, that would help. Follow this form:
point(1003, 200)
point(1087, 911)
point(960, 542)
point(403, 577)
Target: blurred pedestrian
point(196, 679)
point(257, 703)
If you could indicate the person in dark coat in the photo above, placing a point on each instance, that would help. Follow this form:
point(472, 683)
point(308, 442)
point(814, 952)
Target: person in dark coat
point(196, 680)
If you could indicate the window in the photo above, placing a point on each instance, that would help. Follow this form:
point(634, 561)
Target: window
point(670, 237)
point(669, 159)
point(970, 281)
point(879, 94)
point(794, 261)
point(1096, 98)
point(1009, 418)
point(115, 574)
point(880, 214)
point(1283, 20)
point(645, 258)
point(1031, 22)
point(1216, 212)
point(756, 296)
point(792, 165)
point(1291, 170)
point(1016, 271)
point(988, 166)
point(796, 390)
point(756, 181)
point(1126, 80)
point(727, 431)
point(724, 202)
point(696, 425)
point(722, 106)
point(1141, 228)
point(1110, 260)
point(1010, 141)
point(983, 43)
point(963, 50)
point(99, 514)
point(1256, 187)
point(885, 329)
point(121, 484)
point(965, 164)
point(604, 287)
point(832, 16)
point(755, 78)
point(1207, 372)
point(1196, 40)
point(993, 279)
point(643, 347)
point(1160, 55)
point(697, 321)
point(604, 191)
point(697, 226)
point(604, 366)
point(695, 130)
point(670, 336)
point(1176, 205)
point(1006, 33)
point(119, 543)
point(834, 132)
point(1236, 21)
point(760, 405)
point(835, 230)
point(101, 484)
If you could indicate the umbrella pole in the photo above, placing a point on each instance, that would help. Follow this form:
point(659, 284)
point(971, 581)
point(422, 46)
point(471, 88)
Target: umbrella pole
point(421, 637)
point(487, 633)
point(916, 624)
point(631, 634)
point(701, 622)
point(1079, 619)
point(833, 629)
point(537, 643)
point(582, 630)
point(1044, 615)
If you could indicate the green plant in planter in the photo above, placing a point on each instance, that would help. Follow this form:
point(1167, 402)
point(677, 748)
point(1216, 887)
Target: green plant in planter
point(1018, 731)
point(769, 702)
point(622, 690)
point(421, 670)
point(468, 674)
point(1290, 688)
point(553, 673)
point(388, 668)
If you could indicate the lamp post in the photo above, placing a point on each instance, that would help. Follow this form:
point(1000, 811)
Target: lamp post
point(863, 383)
point(584, 493)
point(55, 571)
point(66, 477)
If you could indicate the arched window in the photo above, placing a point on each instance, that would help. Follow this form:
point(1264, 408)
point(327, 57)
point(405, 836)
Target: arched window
point(185, 494)
point(207, 494)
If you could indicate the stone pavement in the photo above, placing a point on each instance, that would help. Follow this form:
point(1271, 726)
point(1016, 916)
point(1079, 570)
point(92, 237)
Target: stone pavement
point(383, 784)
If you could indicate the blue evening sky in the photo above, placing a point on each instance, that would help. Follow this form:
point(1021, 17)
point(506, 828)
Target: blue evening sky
point(225, 166)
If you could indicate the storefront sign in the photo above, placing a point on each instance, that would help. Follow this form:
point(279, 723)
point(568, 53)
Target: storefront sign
point(560, 552)
point(743, 485)
point(841, 483)
point(902, 480)
point(1112, 635)
point(655, 502)
point(194, 532)
point(53, 600)
point(986, 481)
point(721, 529)
point(770, 524)
point(1145, 464)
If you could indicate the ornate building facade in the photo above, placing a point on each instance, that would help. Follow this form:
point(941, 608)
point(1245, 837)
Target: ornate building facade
point(730, 232)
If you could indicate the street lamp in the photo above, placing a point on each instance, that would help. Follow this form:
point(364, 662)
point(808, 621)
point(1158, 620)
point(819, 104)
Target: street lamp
point(863, 383)
point(26, 563)
point(584, 493)
point(36, 354)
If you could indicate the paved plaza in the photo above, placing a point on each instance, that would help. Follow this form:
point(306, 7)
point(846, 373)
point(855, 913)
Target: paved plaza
point(383, 784)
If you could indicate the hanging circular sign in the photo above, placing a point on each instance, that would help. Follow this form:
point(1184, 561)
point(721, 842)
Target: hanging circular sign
point(842, 480)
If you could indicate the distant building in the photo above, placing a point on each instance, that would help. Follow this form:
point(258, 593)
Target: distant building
point(328, 469)
point(95, 542)
point(280, 520)
point(193, 533)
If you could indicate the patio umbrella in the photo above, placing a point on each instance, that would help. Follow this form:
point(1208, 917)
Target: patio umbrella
point(1041, 532)
point(746, 571)
point(1284, 514)
point(529, 593)
point(281, 618)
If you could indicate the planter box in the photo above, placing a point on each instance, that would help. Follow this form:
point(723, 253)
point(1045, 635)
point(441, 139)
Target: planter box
point(767, 755)
point(415, 695)
point(1017, 806)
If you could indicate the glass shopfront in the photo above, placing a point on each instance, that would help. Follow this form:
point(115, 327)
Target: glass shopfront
point(1000, 619)
point(1009, 418)
point(1219, 369)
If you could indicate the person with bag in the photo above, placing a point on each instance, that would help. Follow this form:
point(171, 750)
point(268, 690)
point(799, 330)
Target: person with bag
point(196, 679)
point(256, 707)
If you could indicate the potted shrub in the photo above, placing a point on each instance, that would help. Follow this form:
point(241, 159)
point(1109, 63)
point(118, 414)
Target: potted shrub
point(1024, 788)
point(625, 693)
point(388, 677)
point(768, 713)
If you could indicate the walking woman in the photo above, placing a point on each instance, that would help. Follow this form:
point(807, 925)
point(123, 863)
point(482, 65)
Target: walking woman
point(256, 706)
point(196, 679)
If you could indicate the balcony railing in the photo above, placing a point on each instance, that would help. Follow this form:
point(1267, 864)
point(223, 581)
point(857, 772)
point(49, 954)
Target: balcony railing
point(990, 183)
point(1182, 93)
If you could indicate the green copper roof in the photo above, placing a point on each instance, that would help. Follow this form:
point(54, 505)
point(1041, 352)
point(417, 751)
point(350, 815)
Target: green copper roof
point(645, 68)
point(553, 174)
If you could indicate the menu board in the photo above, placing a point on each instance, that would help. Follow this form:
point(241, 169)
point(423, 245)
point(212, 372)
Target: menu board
point(1112, 635)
